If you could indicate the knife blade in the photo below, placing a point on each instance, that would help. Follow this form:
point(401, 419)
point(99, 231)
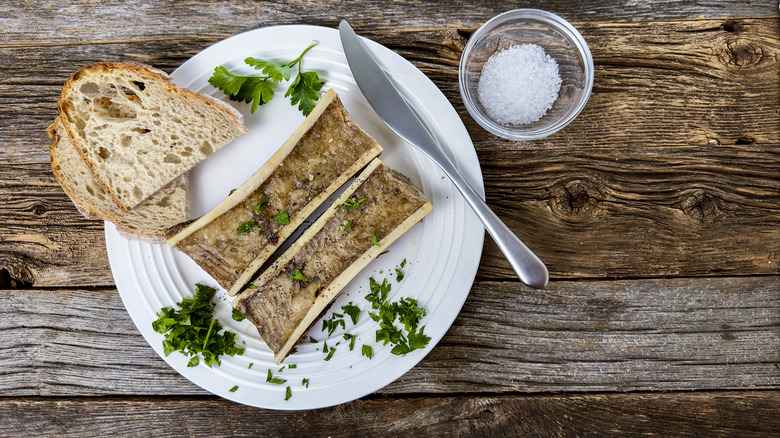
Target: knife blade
point(393, 109)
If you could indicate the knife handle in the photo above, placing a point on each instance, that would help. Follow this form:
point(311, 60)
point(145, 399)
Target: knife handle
point(528, 267)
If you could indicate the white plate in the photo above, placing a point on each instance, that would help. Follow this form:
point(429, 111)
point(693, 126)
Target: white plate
point(442, 252)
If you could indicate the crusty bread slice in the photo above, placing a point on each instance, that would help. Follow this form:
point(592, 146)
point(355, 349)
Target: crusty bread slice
point(147, 221)
point(137, 131)
point(283, 303)
point(326, 150)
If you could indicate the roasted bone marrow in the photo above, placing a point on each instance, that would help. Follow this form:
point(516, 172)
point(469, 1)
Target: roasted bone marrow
point(232, 241)
point(285, 299)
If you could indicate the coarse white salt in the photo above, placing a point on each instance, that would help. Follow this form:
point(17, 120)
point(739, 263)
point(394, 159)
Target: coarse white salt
point(518, 85)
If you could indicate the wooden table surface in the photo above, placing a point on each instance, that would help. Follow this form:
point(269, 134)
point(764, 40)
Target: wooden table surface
point(656, 210)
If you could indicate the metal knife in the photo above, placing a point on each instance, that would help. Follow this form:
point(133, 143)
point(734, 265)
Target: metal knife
point(395, 111)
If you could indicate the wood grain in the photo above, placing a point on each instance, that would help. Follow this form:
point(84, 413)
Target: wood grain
point(695, 83)
point(595, 213)
point(748, 414)
point(34, 23)
point(677, 334)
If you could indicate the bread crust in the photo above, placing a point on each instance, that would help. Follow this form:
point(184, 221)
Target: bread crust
point(143, 70)
point(86, 209)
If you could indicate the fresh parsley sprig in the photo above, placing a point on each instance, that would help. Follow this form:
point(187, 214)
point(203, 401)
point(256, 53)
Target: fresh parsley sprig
point(259, 89)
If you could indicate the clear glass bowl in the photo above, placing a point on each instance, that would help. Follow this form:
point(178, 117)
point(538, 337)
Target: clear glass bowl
point(559, 39)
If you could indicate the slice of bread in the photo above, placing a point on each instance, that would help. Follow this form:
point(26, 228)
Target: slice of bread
point(137, 131)
point(147, 221)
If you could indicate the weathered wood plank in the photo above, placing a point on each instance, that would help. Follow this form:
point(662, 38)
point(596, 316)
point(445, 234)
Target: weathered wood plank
point(675, 334)
point(743, 414)
point(660, 83)
point(32, 22)
point(595, 213)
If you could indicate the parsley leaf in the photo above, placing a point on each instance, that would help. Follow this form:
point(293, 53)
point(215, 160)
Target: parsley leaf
point(352, 310)
point(351, 339)
point(192, 330)
point(275, 380)
point(374, 241)
point(348, 226)
point(304, 91)
point(297, 275)
point(246, 226)
point(367, 351)
point(288, 394)
point(399, 275)
point(238, 316)
point(305, 382)
point(282, 218)
point(233, 389)
point(263, 201)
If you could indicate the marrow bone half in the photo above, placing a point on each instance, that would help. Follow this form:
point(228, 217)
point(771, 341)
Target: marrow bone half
point(329, 254)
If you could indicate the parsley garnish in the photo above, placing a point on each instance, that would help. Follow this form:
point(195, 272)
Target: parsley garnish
point(246, 226)
point(258, 90)
point(399, 275)
point(312, 340)
point(288, 394)
point(352, 310)
point(403, 263)
point(250, 365)
point(367, 351)
point(351, 339)
point(274, 380)
point(374, 241)
point(252, 286)
point(305, 382)
point(263, 201)
point(292, 366)
point(238, 316)
point(348, 226)
point(406, 311)
point(330, 353)
point(333, 323)
point(351, 204)
point(282, 218)
point(296, 275)
point(192, 330)
point(233, 389)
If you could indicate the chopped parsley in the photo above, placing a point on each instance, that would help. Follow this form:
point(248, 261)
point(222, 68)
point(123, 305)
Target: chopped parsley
point(282, 218)
point(193, 331)
point(367, 351)
point(351, 339)
point(352, 310)
point(292, 366)
point(275, 380)
point(263, 201)
point(238, 316)
point(246, 226)
point(312, 340)
point(346, 227)
point(406, 311)
point(351, 204)
point(403, 263)
point(330, 353)
point(287, 394)
point(305, 382)
point(330, 325)
point(363, 411)
point(250, 365)
point(399, 275)
point(233, 389)
point(296, 275)
point(374, 241)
